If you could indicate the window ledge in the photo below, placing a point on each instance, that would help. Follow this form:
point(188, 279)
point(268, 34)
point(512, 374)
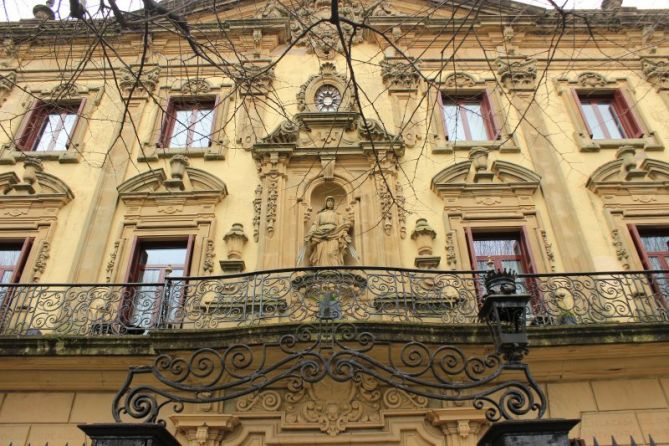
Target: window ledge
point(506, 145)
point(152, 153)
point(650, 142)
point(10, 154)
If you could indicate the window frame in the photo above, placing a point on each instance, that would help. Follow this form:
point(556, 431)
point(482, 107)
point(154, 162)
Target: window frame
point(481, 97)
point(635, 232)
point(35, 123)
point(527, 260)
point(630, 123)
point(169, 120)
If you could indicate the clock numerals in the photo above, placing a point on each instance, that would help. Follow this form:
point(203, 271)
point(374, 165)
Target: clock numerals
point(328, 99)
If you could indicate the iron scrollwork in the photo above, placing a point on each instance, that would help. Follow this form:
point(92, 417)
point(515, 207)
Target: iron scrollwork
point(337, 350)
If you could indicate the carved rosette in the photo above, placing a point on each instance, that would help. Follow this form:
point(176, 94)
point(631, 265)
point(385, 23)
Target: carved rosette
point(327, 75)
point(518, 75)
point(459, 80)
point(656, 72)
point(195, 86)
point(590, 79)
point(332, 407)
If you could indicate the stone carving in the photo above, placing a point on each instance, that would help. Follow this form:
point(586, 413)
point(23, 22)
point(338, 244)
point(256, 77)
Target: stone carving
point(548, 247)
point(459, 80)
point(285, 133)
point(327, 75)
point(257, 206)
point(40, 263)
point(195, 86)
point(272, 201)
point(424, 235)
point(373, 130)
point(451, 257)
point(7, 81)
point(235, 240)
point(273, 10)
point(64, 90)
point(591, 80)
point(399, 75)
point(328, 238)
point(332, 407)
point(656, 72)
point(147, 81)
point(621, 251)
point(626, 174)
point(111, 264)
point(386, 201)
point(382, 9)
point(209, 254)
point(252, 79)
point(401, 210)
point(8, 47)
point(518, 75)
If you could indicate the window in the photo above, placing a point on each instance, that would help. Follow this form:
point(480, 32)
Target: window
point(153, 262)
point(653, 247)
point(505, 250)
point(50, 126)
point(188, 123)
point(13, 256)
point(608, 115)
point(469, 118)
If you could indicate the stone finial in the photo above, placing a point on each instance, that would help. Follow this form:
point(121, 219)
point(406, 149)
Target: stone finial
point(609, 5)
point(178, 164)
point(44, 12)
point(479, 158)
point(626, 154)
point(424, 235)
point(235, 240)
point(31, 166)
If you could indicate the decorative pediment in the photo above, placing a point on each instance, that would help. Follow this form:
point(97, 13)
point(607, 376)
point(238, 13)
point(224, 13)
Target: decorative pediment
point(472, 176)
point(624, 176)
point(34, 186)
point(184, 181)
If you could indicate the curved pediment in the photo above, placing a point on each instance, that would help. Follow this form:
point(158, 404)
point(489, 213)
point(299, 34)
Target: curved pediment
point(615, 178)
point(44, 187)
point(155, 183)
point(502, 177)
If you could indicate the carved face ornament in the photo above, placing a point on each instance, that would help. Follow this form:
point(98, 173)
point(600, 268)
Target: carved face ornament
point(328, 99)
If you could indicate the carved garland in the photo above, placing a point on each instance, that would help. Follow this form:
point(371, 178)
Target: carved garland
point(257, 206)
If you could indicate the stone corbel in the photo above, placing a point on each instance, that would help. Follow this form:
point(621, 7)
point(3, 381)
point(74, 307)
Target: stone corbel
point(204, 429)
point(656, 72)
point(517, 75)
point(7, 82)
point(460, 425)
point(140, 86)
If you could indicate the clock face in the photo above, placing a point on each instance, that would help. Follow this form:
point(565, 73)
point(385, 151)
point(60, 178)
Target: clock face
point(328, 99)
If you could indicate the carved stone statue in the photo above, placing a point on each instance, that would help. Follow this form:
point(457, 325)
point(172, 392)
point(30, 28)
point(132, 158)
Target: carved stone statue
point(328, 237)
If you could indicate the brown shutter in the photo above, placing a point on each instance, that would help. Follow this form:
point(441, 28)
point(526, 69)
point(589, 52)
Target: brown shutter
point(529, 257)
point(636, 237)
point(80, 114)
point(628, 118)
point(29, 130)
point(166, 125)
point(189, 254)
point(490, 117)
point(577, 103)
point(442, 118)
point(23, 258)
point(470, 246)
point(214, 131)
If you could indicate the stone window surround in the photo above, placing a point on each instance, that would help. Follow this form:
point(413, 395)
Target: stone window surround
point(63, 92)
point(594, 83)
point(191, 88)
point(463, 84)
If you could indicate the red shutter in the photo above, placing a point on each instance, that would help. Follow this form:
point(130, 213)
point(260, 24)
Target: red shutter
point(23, 258)
point(489, 116)
point(528, 257)
point(189, 254)
point(645, 260)
point(80, 114)
point(166, 125)
point(442, 117)
point(577, 103)
point(30, 127)
point(214, 131)
point(470, 246)
point(628, 118)
point(131, 272)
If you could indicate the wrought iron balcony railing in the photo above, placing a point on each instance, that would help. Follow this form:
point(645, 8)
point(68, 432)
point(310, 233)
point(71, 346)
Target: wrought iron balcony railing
point(308, 294)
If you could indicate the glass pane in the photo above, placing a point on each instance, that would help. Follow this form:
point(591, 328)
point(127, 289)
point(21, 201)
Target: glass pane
point(179, 138)
point(9, 256)
point(611, 120)
point(202, 128)
point(454, 127)
point(497, 247)
point(65, 133)
point(6, 276)
point(655, 243)
point(593, 122)
point(150, 275)
point(655, 263)
point(167, 255)
point(56, 132)
point(476, 123)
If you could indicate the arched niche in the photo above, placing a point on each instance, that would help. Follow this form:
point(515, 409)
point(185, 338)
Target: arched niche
point(325, 189)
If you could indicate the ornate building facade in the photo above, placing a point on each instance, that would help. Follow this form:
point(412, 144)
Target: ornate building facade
point(286, 164)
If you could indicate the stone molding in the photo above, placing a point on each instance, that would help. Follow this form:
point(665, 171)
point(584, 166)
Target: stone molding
point(517, 74)
point(656, 71)
point(204, 429)
point(327, 75)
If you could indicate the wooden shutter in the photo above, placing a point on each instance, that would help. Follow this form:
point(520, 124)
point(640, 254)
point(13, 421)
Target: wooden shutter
point(527, 252)
point(214, 131)
point(470, 246)
point(490, 117)
point(636, 237)
point(189, 254)
point(131, 272)
point(166, 125)
point(442, 116)
point(80, 114)
point(23, 258)
point(30, 126)
point(628, 118)
point(579, 107)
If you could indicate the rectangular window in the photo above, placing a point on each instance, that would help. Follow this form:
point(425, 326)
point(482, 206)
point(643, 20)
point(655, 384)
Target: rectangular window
point(50, 126)
point(653, 247)
point(13, 256)
point(188, 123)
point(468, 118)
point(153, 262)
point(608, 116)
